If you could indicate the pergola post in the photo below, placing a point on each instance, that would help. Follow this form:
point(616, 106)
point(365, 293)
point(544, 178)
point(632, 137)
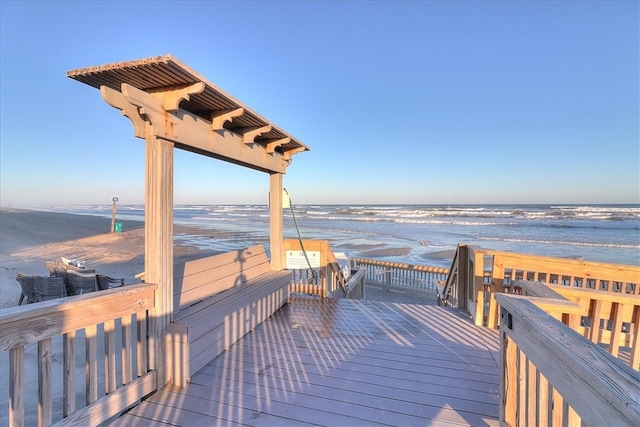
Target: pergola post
point(275, 221)
point(172, 106)
point(158, 260)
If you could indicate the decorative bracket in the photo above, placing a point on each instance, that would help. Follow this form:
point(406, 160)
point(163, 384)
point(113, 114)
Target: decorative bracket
point(287, 154)
point(249, 136)
point(148, 104)
point(219, 118)
point(171, 98)
point(130, 111)
point(271, 146)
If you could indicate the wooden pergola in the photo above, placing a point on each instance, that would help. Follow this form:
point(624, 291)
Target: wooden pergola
point(172, 106)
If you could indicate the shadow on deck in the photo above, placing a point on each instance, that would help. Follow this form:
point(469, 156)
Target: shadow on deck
point(342, 362)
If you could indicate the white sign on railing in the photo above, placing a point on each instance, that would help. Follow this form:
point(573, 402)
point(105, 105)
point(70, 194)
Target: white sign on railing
point(295, 260)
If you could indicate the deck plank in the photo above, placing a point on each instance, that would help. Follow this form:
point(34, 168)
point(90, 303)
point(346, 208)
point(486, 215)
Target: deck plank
point(342, 362)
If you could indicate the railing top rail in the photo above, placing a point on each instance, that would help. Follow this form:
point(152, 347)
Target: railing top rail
point(529, 258)
point(30, 323)
point(601, 388)
point(404, 266)
point(619, 297)
point(537, 289)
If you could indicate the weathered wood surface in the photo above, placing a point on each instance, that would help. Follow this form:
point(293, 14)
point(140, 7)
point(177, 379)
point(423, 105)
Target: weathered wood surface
point(222, 298)
point(198, 279)
point(342, 362)
point(53, 328)
point(25, 324)
point(601, 389)
point(609, 318)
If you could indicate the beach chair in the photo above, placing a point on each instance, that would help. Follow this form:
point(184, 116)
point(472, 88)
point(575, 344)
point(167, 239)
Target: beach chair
point(106, 282)
point(28, 291)
point(82, 282)
point(47, 288)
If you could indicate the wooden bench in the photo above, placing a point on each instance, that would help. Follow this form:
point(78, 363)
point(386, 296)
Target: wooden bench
point(217, 300)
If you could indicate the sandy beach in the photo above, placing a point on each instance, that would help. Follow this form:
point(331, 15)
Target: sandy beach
point(29, 238)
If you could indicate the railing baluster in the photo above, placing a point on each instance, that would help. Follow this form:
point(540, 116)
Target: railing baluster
point(127, 353)
point(109, 357)
point(91, 364)
point(142, 353)
point(69, 373)
point(45, 395)
point(543, 400)
point(616, 328)
point(16, 386)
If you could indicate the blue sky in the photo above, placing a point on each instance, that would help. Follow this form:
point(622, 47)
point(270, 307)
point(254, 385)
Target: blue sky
point(400, 102)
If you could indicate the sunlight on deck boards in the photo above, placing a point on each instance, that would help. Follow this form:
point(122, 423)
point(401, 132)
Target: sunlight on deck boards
point(342, 362)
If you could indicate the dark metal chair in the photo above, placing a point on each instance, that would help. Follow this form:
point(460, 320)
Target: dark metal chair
point(82, 282)
point(47, 288)
point(106, 282)
point(27, 286)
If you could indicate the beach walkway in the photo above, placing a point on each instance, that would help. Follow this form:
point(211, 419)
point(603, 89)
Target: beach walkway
point(395, 294)
point(342, 362)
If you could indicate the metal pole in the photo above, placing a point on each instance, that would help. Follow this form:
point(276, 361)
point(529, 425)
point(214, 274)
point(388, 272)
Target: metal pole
point(113, 215)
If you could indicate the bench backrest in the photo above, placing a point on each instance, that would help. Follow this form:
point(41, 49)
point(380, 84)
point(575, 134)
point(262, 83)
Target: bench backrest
point(201, 278)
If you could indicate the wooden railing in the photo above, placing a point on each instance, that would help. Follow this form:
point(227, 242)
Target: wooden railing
point(478, 274)
point(114, 321)
point(569, 331)
point(326, 280)
point(609, 319)
point(406, 276)
point(552, 375)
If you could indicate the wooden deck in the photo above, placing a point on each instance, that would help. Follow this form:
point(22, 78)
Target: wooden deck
point(342, 362)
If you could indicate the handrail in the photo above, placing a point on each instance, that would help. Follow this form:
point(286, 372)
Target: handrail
point(356, 284)
point(551, 375)
point(450, 286)
point(80, 320)
point(406, 276)
point(332, 263)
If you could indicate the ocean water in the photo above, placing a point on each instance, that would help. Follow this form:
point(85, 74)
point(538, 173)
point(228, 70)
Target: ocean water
point(416, 234)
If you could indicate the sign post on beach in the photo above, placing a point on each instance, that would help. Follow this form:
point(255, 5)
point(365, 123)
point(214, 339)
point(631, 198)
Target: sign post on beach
point(113, 215)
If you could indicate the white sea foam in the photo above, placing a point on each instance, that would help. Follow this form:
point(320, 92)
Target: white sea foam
point(609, 233)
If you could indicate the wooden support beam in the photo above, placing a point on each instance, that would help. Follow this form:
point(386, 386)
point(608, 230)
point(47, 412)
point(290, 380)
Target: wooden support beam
point(193, 133)
point(219, 118)
point(249, 136)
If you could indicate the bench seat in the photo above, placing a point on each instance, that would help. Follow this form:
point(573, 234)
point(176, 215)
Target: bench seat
point(235, 291)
